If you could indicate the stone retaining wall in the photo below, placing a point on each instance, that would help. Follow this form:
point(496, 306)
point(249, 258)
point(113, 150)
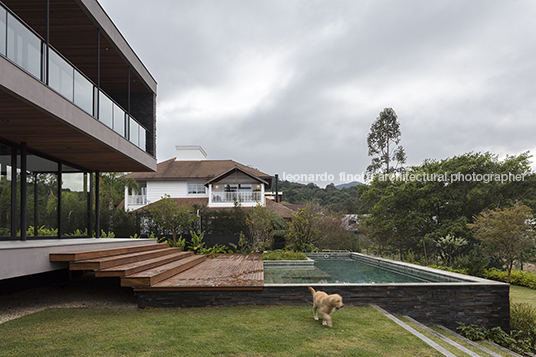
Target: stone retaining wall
point(446, 304)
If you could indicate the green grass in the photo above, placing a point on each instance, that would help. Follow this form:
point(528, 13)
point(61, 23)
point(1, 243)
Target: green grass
point(520, 294)
point(230, 331)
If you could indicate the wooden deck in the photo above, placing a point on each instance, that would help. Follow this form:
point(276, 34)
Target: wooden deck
point(225, 272)
point(156, 267)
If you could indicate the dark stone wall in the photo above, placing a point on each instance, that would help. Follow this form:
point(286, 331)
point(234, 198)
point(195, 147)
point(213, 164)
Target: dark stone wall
point(433, 304)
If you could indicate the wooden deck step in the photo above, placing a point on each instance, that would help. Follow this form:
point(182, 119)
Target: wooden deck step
point(115, 260)
point(152, 276)
point(132, 268)
point(99, 253)
point(226, 272)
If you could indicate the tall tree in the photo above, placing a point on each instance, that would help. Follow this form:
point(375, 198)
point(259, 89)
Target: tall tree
point(505, 233)
point(383, 140)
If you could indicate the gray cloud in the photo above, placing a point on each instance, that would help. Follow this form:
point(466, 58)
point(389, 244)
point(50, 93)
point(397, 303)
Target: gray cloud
point(293, 86)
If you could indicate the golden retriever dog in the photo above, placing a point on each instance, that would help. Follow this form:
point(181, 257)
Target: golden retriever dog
point(325, 304)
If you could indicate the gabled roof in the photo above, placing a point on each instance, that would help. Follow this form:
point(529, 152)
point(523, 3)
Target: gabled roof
point(171, 170)
point(233, 170)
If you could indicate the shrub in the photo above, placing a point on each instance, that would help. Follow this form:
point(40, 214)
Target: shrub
point(521, 278)
point(472, 332)
point(475, 262)
point(283, 255)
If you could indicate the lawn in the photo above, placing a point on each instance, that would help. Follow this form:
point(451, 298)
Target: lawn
point(230, 331)
point(520, 294)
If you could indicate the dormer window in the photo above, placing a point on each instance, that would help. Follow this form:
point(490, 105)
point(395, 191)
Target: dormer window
point(196, 189)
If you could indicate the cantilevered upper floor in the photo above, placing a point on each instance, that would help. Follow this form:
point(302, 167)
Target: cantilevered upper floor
point(72, 89)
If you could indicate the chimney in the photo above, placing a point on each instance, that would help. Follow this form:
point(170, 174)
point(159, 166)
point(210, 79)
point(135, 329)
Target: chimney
point(190, 153)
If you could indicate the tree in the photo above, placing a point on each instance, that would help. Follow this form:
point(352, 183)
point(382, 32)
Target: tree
point(505, 233)
point(438, 198)
point(112, 192)
point(260, 227)
point(302, 230)
point(167, 214)
point(383, 140)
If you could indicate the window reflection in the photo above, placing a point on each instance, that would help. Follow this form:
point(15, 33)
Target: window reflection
point(5, 190)
point(74, 204)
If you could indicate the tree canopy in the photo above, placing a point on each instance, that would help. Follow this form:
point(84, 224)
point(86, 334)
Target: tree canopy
point(505, 233)
point(439, 198)
point(383, 140)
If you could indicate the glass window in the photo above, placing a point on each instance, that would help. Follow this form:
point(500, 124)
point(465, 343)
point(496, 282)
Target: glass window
point(24, 47)
point(3, 25)
point(5, 191)
point(74, 210)
point(231, 188)
point(119, 120)
point(60, 75)
point(42, 197)
point(196, 189)
point(83, 93)
point(105, 110)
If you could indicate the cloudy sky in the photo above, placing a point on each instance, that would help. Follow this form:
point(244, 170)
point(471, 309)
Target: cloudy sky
point(291, 87)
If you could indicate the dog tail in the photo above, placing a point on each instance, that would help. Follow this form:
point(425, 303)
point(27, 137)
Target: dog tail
point(312, 290)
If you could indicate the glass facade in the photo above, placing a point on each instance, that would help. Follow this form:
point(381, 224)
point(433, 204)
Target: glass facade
point(74, 204)
point(44, 200)
point(5, 190)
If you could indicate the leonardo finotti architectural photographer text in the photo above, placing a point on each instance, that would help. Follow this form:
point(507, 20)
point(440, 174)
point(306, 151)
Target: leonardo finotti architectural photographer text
point(420, 177)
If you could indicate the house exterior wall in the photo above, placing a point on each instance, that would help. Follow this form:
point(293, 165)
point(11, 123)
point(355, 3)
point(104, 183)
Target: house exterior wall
point(158, 189)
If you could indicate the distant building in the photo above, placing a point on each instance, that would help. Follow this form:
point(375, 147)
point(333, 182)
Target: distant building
point(191, 179)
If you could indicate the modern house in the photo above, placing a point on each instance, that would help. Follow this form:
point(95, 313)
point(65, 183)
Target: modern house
point(75, 101)
point(191, 179)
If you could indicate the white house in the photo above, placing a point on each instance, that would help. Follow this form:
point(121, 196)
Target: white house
point(192, 179)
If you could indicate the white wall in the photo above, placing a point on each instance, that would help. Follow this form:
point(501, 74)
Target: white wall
point(157, 189)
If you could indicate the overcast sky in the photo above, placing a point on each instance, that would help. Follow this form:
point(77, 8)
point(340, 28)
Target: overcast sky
point(292, 87)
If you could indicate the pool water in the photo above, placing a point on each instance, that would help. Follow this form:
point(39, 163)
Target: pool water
point(336, 271)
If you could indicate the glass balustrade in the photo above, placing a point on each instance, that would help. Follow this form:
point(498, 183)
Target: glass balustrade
point(60, 75)
point(83, 93)
point(3, 27)
point(25, 48)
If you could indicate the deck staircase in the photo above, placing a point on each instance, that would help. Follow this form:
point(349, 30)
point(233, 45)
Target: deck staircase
point(140, 266)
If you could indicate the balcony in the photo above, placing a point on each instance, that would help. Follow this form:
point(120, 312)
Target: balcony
point(136, 200)
point(22, 46)
point(240, 197)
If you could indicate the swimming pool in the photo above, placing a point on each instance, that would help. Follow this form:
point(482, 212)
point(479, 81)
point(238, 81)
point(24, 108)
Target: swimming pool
point(341, 270)
point(346, 269)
